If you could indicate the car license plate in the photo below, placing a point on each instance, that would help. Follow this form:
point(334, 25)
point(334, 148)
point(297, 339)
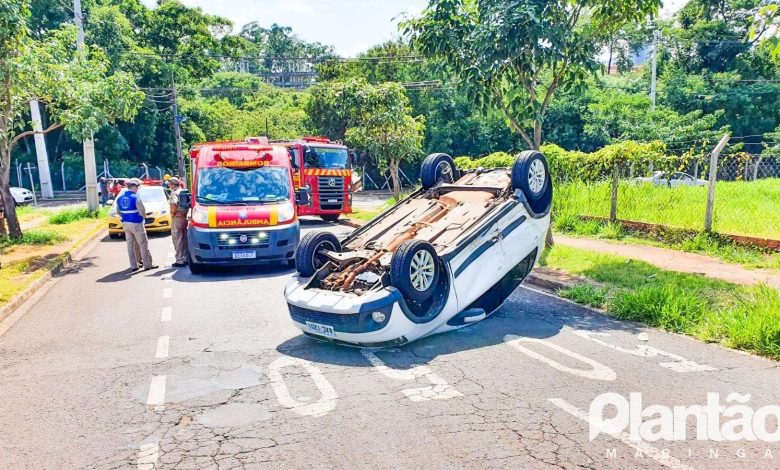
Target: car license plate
point(333, 200)
point(244, 255)
point(320, 329)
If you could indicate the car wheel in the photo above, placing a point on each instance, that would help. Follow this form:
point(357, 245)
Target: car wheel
point(115, 236)
point(195, 268)
point(308, 258)
point(437, 167)
point(330, 217)
point(531, 174)
point(415, 270)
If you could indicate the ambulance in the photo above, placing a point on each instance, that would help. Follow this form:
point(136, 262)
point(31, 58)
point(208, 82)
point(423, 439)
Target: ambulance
point(243, 205)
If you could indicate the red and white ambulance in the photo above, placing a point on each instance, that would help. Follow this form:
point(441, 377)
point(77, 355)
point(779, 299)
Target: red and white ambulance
point(243, 205)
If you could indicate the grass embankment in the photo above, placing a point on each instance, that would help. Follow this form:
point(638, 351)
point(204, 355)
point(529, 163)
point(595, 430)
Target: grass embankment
point(368, 215)
point(740, 317)
point(741, 208)
point(709, 244)
point(27, 259)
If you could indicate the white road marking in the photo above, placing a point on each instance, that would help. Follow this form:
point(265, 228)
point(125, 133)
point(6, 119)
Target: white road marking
point(167, 293)
point(662, 458)
point(328, 396)
point(598, 370)
point(157, 392)
point(680, 364)
point(147, 456)
point(440, 390)
point(163, 342)
point(165, 314)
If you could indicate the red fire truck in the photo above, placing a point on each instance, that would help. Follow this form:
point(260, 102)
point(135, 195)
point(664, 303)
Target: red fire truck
point(323, 167)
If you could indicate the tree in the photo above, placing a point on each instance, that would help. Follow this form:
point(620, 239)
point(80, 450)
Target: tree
point(386, 129)
point(515, 54)
point(79, 94)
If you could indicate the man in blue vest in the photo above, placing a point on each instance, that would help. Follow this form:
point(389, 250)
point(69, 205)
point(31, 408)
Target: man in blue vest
point(132, 212)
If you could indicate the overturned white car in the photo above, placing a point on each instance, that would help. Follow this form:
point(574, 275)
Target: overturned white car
point(445, 257)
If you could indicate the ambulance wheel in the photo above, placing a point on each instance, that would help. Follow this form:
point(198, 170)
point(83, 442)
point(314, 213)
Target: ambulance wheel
point(330, 217)
point(415, 269)
point(195, 268)
point(437, 167)
point(531, 174)
point(308, 258)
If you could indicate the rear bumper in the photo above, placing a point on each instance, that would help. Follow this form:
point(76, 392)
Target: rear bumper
point(156, 225)
point(274, 245)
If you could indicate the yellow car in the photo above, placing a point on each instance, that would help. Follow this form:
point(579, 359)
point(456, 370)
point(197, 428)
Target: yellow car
point(158, 217)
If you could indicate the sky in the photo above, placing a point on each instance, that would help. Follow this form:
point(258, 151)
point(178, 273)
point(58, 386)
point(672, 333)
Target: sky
point(351, 26)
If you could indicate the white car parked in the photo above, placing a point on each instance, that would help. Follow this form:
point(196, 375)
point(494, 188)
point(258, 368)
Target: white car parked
point(678, 178)
point(22, 196)
point(443, 258)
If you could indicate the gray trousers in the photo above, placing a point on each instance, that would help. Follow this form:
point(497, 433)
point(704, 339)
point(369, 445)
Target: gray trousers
point(179, 237)
point(137, 241)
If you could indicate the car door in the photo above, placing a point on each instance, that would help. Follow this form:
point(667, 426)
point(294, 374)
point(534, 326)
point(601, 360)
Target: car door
point(479, 265)
point(518, 237)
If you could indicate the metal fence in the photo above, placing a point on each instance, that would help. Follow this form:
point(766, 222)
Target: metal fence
point(745, 196)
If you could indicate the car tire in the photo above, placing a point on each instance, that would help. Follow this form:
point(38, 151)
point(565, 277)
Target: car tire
point(531, 175)
point(307, 257)
point(330, 217)
point(115, 236)
point(437, 167)
point(195, 268)
point(415, 270)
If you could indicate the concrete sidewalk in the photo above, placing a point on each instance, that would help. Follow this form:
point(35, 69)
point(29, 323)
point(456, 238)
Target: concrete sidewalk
point(675, 260)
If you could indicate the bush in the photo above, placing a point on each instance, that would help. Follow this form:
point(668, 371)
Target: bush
point(565, 222)
point(611, 231)
point(587, 227)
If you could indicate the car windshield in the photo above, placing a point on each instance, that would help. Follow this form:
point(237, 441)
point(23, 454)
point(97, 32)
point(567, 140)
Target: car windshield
point(229, 186)
point(151, 194)
point(325, 157)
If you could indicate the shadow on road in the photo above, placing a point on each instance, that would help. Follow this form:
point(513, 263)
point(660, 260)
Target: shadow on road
point(526, 314)
point(231, 273)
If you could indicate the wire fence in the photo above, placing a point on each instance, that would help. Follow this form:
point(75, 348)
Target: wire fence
point(745, 196)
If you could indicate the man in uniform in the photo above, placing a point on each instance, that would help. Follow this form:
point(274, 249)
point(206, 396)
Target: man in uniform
point(178, 222)
point(132, 212)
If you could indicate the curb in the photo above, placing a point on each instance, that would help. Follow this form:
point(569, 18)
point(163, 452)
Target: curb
point(354, 223)
point(75, 252)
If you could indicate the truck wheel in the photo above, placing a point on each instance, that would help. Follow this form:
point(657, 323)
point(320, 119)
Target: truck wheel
point(415, 270)
point(437, 167)
point(330, 217)
point(531, 174)
point(308, 258)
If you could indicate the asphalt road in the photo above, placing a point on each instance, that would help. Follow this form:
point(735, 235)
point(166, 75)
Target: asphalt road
point(170, 370)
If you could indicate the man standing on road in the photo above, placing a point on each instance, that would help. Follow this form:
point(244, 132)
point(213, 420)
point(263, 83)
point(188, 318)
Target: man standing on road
point(132, 213)
point(179, 223)
point(103, 182)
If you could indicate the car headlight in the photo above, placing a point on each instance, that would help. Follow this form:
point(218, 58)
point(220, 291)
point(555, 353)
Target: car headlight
point(286, 212)
point(200, 216)
point(164, 211)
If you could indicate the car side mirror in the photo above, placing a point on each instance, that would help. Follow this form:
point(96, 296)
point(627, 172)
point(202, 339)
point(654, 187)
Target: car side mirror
point(353, 158)
point(185, 199)
point(302, 197)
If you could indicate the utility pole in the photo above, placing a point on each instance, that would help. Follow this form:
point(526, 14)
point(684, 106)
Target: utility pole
point(655, 64)
point(44, 175)
point(177, 131)
point(90, 167)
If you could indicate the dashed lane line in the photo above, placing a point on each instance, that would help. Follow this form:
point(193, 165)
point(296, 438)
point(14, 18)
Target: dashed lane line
point(163, 343)
point(165, 313)
point(147, 456)
point(156, 396)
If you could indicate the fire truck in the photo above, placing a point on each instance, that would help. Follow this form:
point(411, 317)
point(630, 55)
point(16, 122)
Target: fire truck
point(324, 167)
point(243, 205)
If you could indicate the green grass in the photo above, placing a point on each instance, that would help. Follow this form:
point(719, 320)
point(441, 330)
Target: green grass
point(709, 244)
point(73, 215)
point(741, 317)
point(741, 208)
point(34, 237)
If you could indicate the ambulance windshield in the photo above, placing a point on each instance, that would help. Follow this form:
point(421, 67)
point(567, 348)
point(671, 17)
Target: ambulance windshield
point(228, 186)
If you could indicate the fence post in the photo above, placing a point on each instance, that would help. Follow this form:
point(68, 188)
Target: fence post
point(713, 178)
point(614, 200)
